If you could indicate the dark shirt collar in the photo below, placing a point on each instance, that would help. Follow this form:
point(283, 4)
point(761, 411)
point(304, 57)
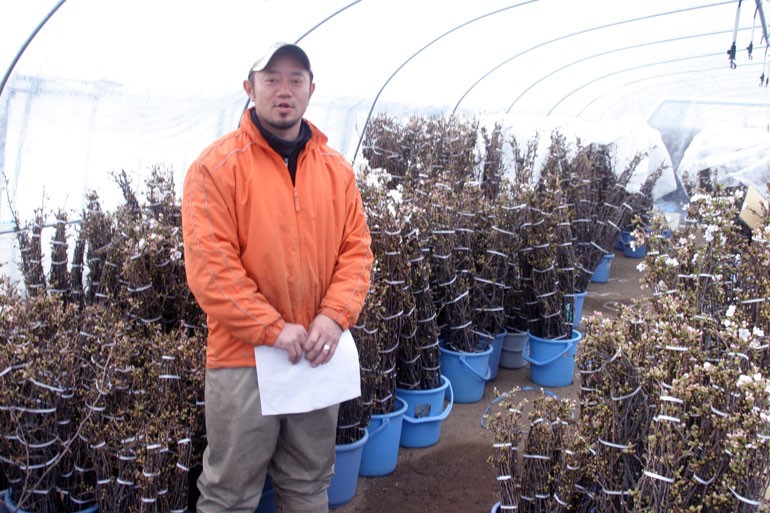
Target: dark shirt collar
point(283, 147)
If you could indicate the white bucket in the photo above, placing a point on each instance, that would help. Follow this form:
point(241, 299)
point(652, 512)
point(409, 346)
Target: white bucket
point(513, 344)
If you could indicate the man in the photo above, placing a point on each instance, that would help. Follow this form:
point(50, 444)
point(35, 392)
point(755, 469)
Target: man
point(277, 253)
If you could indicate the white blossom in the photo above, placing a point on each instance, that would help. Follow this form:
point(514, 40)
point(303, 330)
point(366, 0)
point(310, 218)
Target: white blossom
point(395, 195)
point(710, 231)
point(743, 380)
point(730, 311)
point(642, 267)
point(672, 262)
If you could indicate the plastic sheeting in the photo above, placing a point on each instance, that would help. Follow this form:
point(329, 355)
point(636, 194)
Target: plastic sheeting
point(735, 157)
point(110, 85)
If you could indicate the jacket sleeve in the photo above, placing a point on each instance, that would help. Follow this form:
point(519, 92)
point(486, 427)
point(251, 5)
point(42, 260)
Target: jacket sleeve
point(215, 273)
point(350, 283)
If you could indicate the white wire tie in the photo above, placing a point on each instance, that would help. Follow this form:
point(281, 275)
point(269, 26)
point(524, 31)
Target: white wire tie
point(615, 492)
point(658, 476)
point(718, 412)
point(503, 478)
point(621, 398)
point(671, 399)
point(616, 446)
point(502, 444)
point(742, 498)
point(703, 482)
point(537, 457)
point(658, 418)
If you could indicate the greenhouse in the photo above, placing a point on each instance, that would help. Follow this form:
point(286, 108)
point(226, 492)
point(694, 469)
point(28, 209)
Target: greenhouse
point(567, 210)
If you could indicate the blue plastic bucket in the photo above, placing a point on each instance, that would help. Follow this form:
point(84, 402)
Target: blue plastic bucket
point(513, 345)
point(494, 357)
point(580, 298)
point(424, 414)
point(602, 272)
point(346, 467)
point(380, 453)
point(620, 242)
point(468, 372)
point(552, 362)
point(639, 251)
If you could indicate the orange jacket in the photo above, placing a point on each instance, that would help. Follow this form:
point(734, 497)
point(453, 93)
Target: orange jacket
point(260, 252)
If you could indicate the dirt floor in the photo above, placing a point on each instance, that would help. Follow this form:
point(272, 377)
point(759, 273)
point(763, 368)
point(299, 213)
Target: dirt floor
point(454, 475)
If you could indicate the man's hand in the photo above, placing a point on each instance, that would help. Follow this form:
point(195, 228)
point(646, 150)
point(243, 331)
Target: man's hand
point(291, 340)
point(322, 340)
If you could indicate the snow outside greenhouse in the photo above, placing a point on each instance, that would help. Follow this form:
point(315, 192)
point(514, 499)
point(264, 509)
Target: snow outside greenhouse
point(99, 95)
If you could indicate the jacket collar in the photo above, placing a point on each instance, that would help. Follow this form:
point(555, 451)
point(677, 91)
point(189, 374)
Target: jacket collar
point(317, 138)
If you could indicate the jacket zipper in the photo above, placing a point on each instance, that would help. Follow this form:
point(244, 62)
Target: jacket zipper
point(299, 239)
point(296, 194)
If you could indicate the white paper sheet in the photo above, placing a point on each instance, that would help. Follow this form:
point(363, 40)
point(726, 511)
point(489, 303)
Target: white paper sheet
point(297, 388)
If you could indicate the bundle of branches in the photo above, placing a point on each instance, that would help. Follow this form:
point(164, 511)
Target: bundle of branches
point(506, 428)
point(547, 255)
point(419, 356)
point(593, 218)
point(396, 314)
point(509, 219)
point(546, 274)
point(492, 172)
point(543, 478)
point(491, 265)
point(616, 411)
point(41, 375)
point(144, 415)
point(396, 323)
point(142, 265)
point(630, 210)
point(550, 422)
point(388, 145)
point(452, 293)
point(355, 414)
point(31, 250)
point(421, 148)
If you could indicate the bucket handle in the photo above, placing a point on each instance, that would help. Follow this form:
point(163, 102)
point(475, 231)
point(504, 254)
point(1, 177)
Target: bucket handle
point(525, 351)
point(421, 420)
point(486, 377)
point(384, 423)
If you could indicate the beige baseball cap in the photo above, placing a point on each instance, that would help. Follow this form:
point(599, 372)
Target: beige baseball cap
point(280, 47)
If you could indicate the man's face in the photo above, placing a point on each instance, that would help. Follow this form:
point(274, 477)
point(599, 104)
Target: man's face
point(281, 93)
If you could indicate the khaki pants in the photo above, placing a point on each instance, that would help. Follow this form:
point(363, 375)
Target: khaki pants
point(297, 450)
